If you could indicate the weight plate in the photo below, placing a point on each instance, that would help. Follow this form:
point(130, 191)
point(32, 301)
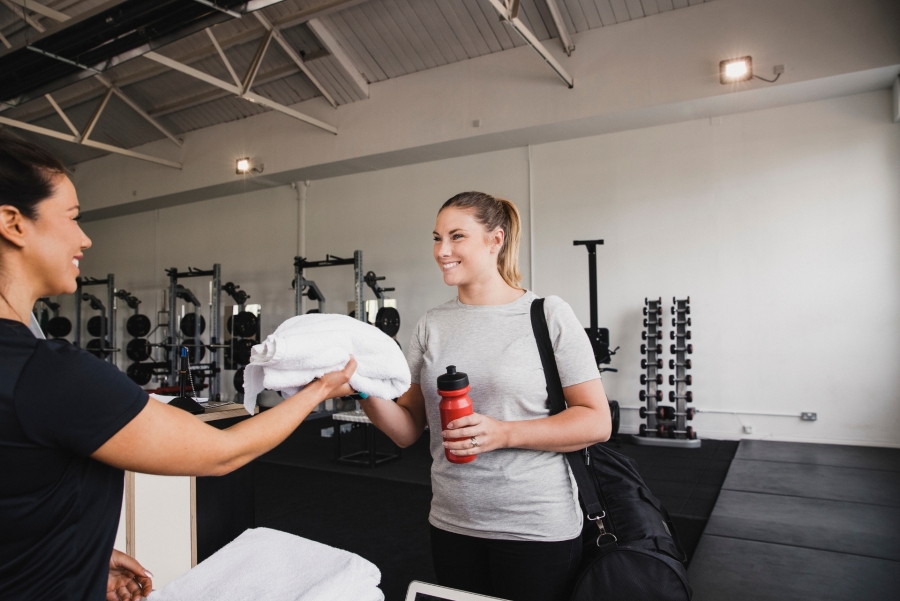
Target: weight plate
point(95, 325)
point(241, 353)
point(59, 327)
point(193, 350)
point(138, 325)
point(388, 321)
point(94, 347)
point(245, 324)
point(239, 380)
point(139, 373)
point(187, 325)
point(138, 349)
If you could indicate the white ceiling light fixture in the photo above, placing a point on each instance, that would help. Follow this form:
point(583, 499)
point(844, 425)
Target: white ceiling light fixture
point(244, 166)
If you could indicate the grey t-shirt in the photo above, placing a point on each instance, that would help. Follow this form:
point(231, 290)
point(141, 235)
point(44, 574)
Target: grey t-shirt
point(510, 494)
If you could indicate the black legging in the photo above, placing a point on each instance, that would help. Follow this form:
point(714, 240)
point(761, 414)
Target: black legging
point(509, 569)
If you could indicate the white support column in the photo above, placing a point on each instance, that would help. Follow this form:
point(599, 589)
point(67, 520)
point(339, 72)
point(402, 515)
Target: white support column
point(115, 89)
point(91, 143)
point(532, 41)
point(292, 54)
point(564, 36)
point(215, 81)
point(355, 78)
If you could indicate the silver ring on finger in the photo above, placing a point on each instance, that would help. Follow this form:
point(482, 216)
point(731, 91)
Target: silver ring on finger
point(474, 442)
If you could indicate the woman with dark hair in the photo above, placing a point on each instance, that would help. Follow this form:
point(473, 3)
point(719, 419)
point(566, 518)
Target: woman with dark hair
point(71, 423)
point(509, 523)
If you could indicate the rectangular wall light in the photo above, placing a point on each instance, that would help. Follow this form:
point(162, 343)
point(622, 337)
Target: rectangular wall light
point(734, 70)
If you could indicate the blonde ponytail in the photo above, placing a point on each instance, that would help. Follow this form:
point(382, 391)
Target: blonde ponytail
point(493, 213)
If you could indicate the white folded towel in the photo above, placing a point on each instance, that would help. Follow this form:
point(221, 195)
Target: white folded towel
point(307, 347)
point(268, 564)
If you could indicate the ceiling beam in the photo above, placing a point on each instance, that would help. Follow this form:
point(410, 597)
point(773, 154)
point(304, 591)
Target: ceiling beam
point(262, 100)
point(354, 77)
point(40, 9)
point(64, 117)
point(292, 54)
point(90, 143)
point(215, 42)
point(252, 33)
point(134, 106)
point(257, 61)
point(22, 14)
point(504, 12)
point(564, 36)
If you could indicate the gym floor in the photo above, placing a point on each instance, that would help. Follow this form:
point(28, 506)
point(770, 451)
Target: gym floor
point(382, 514)
point(759, 520)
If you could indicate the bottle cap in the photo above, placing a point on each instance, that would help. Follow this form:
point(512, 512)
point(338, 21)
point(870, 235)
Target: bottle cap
point(452, 380)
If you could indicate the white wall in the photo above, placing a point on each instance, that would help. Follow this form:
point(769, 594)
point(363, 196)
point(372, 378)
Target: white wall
point(783, 226)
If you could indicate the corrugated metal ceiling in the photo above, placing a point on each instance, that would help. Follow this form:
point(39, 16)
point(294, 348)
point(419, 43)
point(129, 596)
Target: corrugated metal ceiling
point(383, 38)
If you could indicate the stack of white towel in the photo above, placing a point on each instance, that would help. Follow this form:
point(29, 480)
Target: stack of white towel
point(307, 347)
point(276, 566)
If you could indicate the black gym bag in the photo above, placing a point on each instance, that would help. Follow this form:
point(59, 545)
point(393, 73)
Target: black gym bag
point(631, 550)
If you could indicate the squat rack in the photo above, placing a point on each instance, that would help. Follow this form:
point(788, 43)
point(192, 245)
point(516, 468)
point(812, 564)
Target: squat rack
point(107, 313)
point(301, 283)
point(215, 324)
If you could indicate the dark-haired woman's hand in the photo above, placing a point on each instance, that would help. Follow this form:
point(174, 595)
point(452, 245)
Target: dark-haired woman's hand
point(479, 434)
point(128, 580)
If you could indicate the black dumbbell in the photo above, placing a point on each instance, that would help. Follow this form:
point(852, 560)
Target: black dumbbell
point(687, 335)
point(659, 364)
point(664, 431)
point(686, 310)
point(658, 379)
point(648, 301)
point(655, 349)
point(688, 379)
point(642, 430)
point(644, 395)
point(645, 335)
point(688, 396)
point(686, 322)
point(689, 349)
point(665, 413)
point(672, 365)
point(650, 322)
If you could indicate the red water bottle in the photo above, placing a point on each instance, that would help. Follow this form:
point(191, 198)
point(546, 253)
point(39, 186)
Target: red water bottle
point(453, 387)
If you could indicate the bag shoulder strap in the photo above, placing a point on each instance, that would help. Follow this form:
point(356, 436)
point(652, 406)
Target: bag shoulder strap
point(557, 402)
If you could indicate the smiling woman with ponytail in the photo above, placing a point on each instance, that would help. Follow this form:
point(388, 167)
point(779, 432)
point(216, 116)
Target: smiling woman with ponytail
point(509, 523)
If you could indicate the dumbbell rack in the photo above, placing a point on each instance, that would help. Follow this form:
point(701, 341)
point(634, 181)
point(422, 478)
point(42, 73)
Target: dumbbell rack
point(107, 335)
point(212, 368)
point(667, 425)
point(302, 286)
point(652, 365)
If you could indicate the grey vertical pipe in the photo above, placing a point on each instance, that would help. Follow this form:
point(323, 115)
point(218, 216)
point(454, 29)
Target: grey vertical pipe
point(298, 288)
point(78, 313)
point(215, 326)
point(111, 315)
point(358, 272)
point(173, 363)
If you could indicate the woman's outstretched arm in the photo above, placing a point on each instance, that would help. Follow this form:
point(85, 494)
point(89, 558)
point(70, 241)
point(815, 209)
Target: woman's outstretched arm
point(168, 441)
point(403, 421)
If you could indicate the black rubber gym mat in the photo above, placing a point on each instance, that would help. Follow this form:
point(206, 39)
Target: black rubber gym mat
point(857, 485)
point(729, 569)
point(856, 528)
point(820, 454)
